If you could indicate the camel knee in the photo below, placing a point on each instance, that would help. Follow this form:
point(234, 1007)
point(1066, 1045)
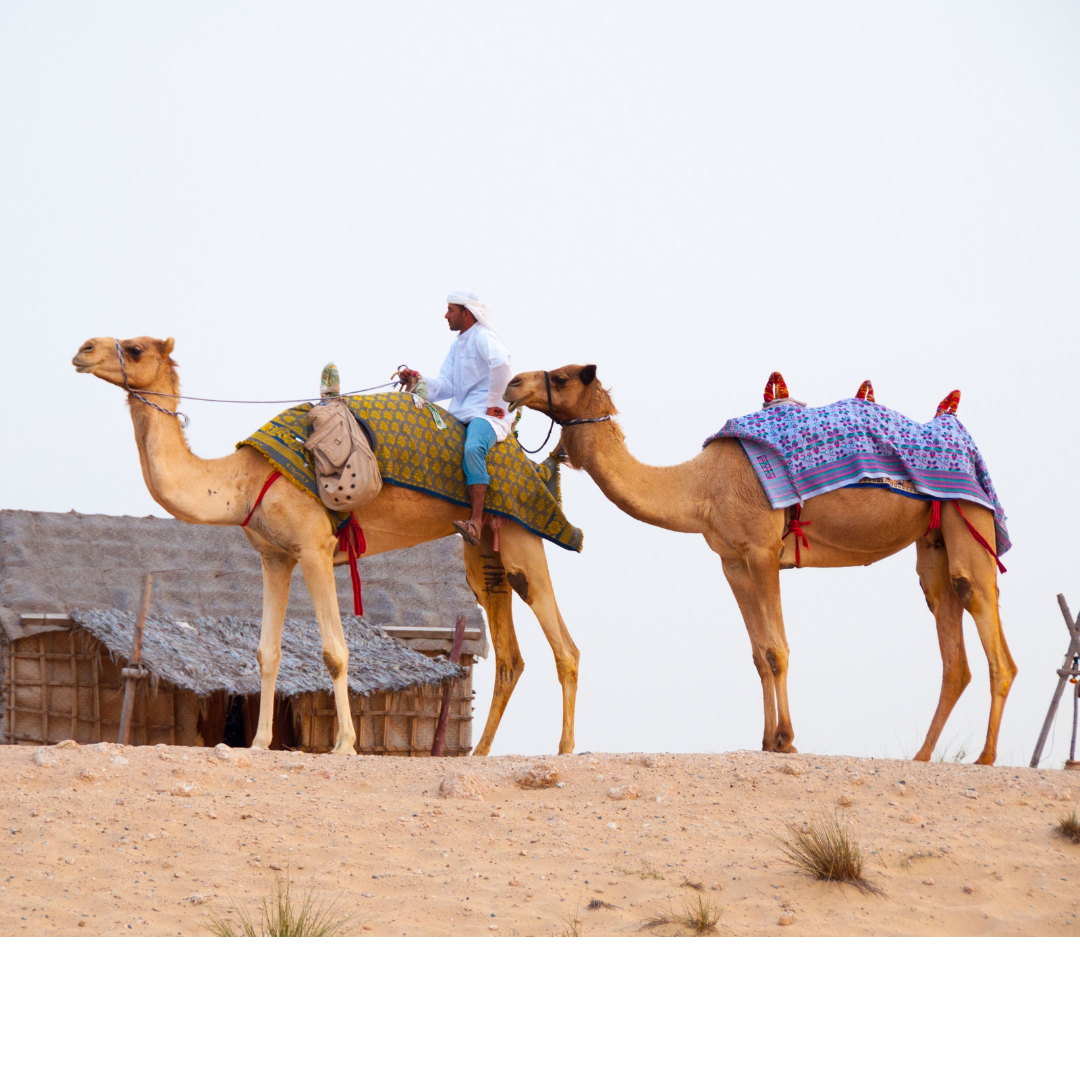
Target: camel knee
point(269, 657)
point(336, 660)
point(962, 586)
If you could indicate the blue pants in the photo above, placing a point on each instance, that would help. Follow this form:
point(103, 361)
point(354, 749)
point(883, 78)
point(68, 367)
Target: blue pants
point(479, 439)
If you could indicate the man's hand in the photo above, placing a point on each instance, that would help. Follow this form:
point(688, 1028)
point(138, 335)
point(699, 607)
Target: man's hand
point(407, 378)
point(494, 410)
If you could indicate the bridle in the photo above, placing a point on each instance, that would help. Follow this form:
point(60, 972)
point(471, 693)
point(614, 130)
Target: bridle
point(561, 423)
point(182, 417)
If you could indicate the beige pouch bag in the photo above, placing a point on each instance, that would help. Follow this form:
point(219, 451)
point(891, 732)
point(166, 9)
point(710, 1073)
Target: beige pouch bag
point(346, 472)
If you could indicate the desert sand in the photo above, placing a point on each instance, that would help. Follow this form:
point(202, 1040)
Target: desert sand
point(104, 840)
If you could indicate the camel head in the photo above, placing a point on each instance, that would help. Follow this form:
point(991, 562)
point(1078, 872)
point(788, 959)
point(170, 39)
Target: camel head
point(575, 393)
point(149, 365)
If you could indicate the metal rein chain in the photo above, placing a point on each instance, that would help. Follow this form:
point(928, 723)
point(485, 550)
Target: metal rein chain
point(182, 417)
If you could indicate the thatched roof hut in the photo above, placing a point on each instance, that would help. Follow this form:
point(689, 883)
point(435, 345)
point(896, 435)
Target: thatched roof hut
point(69, 587)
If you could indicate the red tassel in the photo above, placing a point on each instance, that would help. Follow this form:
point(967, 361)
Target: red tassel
point(866, 392)
point(795, 527)
point(978, 536)
point(351, 540)
point(935, 516)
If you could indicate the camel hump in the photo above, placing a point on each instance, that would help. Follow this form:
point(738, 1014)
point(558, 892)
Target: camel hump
point(949, 404)
point(866, 392)
point(775, 388)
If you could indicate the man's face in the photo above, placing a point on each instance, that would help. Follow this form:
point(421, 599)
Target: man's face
point(458, 318)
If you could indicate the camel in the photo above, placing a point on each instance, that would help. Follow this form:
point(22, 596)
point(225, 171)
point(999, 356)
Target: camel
point(289, 527)
point(718, 495)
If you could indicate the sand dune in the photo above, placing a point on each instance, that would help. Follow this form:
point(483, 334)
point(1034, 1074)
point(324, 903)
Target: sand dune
point(148, 840)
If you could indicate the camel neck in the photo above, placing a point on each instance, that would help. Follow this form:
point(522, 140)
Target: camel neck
point(666, 496)
point(208, 491)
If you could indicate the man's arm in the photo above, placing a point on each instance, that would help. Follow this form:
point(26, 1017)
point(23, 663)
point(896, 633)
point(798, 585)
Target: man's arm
point(499, 374)
point(438, 389)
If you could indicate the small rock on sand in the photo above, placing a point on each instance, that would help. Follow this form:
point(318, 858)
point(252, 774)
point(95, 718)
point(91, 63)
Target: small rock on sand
point(67, 744)
point(845, 800)
point(928, 881)
point(542, 775)
point(44, 757)
point(185, 790)
point(119, 760)
point(787, 918)
point(969, 889)
point(463, 786)
point(788, 769)
point(222, 752)
point(88, 774)
point(971, 793)
point(624, 791)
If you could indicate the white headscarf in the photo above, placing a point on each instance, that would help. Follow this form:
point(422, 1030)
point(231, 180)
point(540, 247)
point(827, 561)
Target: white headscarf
point(466, 298)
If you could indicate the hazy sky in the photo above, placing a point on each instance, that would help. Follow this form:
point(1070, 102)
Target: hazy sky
point(687, 194)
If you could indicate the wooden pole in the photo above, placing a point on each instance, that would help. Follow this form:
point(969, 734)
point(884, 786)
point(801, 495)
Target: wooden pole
point(1064, 674)
point(132, 672)
point(444, 713)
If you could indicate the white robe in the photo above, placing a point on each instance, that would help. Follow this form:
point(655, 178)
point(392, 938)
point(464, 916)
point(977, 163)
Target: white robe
point(473, 376)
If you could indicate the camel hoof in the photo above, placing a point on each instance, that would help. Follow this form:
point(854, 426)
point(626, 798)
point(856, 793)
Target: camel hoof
point(789, 749)
point(348, 748)
point(983, 759)
point(922, 755)
point(480, 751)
point(260, 744)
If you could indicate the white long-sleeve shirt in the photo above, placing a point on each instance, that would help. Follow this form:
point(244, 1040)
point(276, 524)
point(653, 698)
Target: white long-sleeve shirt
point(473, 376)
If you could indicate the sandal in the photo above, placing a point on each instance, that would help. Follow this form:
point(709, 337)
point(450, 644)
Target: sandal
point(469, 531)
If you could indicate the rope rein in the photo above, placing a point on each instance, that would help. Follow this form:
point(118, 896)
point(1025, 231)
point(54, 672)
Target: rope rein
point(275, 401)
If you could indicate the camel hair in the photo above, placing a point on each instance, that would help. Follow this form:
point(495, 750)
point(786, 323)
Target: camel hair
point(290, 527)
point(718, 495)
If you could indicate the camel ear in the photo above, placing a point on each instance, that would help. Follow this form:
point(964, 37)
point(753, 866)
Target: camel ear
point(588, 373)
point(167, 346)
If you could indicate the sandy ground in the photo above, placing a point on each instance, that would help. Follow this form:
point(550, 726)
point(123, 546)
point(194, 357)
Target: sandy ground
point(149, 840)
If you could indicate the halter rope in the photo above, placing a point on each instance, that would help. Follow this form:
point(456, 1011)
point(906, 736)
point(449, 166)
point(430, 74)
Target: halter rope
point(182, 417)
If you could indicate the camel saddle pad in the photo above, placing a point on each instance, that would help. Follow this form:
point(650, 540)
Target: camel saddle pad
point(413, 453)
point(799, 452)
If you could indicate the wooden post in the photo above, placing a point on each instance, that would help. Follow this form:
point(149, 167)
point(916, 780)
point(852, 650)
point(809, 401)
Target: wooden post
point(448, 690)
point(132, 672)
point(1067, 671)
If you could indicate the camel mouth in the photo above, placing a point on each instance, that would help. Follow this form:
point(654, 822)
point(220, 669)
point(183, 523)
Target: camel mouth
point(83, 367)
point(513, 402)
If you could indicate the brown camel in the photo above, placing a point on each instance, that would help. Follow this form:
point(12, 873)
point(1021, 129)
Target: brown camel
point(290, 527)
point(718, 495)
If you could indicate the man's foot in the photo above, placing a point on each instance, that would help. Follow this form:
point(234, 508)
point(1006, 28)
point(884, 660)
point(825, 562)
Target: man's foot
point(469, 530)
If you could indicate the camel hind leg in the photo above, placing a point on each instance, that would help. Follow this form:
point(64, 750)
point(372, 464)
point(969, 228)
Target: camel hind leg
point(487, 579)
point(932, 565)
point(973, 576)
point(527, 572)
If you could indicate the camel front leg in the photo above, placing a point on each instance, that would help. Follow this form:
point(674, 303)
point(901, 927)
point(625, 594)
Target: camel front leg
point(487, 579)
point(755, 582)
point(932, 564)
point(318, 570)
point(277, 576)
point(527, 572)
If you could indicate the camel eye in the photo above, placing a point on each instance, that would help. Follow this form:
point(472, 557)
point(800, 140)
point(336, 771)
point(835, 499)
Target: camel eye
point(135, 350)
point(559, 380)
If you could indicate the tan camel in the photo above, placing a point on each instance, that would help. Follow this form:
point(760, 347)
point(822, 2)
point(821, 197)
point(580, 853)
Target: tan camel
point(291, 527)
point(718, 495)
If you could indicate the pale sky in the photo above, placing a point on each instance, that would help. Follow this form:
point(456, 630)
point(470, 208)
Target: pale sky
point(688, 195)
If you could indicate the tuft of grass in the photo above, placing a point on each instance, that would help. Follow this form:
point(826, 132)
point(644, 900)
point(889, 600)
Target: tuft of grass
point(284, 915)
point(1069, 827)
point(943, 755)
point(571, 924)
point(827, 851)
point(698, 914)
point(649, 872)
point(699, 885)
point(595, 904)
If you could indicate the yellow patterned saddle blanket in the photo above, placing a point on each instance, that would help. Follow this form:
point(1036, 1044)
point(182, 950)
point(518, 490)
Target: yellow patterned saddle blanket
point(413, 453)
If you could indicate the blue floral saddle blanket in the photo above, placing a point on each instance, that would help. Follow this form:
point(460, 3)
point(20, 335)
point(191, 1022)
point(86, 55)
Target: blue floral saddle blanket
point(799, 452)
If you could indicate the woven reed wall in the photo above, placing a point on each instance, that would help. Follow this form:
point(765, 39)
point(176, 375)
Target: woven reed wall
point(63, 685)
point(401, 723)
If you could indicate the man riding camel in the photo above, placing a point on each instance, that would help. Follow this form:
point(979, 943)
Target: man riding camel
point(473, 376)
